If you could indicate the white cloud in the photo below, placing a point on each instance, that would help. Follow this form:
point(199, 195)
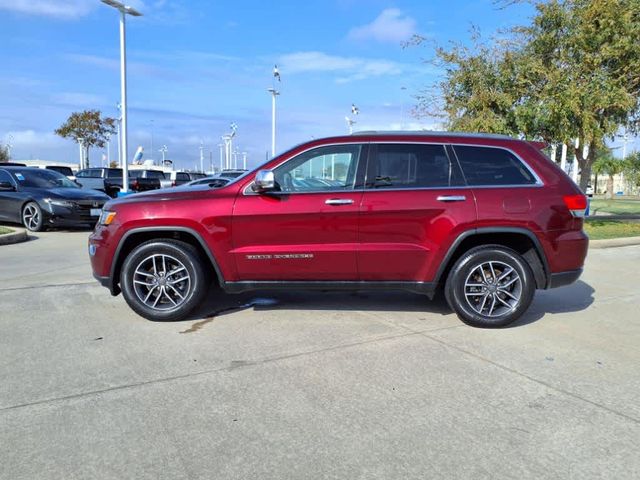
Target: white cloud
point(351, 68)
point(79, 99)
point(65, 9)
point(390, 26)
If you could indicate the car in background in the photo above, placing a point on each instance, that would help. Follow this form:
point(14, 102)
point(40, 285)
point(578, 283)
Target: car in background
point(178, 178)
point(66, 171)
point(589, 190)
point(107, 180)
point(214, 182)
point(145, 180)
point(232, 173)
point(39, 198)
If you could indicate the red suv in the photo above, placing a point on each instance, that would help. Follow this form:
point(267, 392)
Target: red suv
point(489, 218)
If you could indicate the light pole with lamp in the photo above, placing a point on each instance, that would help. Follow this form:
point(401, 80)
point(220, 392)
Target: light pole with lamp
point(124, 11)
point(274, 93)
point(163, 151)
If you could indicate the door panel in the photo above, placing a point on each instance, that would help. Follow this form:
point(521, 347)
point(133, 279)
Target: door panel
point(308, 230)
point(413, 207)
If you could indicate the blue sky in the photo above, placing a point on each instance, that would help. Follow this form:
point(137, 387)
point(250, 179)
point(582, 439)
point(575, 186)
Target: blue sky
point(196, 66)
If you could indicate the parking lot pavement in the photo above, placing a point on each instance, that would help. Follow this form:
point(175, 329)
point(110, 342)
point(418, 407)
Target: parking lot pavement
point(317, 385)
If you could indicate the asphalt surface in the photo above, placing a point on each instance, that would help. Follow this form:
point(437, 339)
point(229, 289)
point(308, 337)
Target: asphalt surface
point(321, 385)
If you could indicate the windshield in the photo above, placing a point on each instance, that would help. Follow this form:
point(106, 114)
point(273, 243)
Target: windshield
point(63, 170)
point(37, 178)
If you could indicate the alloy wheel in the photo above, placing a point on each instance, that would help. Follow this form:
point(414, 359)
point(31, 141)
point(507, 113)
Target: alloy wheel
point(31, 217)
point(161, 282)
point(493, 289)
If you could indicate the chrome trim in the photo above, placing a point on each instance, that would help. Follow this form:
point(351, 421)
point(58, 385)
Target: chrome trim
point(338, 201)
point(451, 198)
point(539, 183)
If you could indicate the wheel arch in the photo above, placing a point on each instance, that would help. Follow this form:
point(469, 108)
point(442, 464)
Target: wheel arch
point(137, 236)
point(521, 240)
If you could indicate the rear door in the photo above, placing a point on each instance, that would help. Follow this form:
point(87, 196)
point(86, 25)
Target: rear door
point(308, 230)
point(10, 202)
point(414, 205)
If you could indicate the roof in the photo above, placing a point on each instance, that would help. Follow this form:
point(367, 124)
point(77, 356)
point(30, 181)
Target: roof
point(433, 133)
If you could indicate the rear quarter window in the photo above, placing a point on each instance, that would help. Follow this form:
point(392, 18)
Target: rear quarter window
point(489, 166)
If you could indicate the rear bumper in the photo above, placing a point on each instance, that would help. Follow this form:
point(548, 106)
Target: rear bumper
point(564, 278)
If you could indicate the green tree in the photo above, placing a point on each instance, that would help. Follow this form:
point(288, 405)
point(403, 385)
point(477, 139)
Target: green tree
point(4, 154)
point(87, 128)
point(610, 166)
point(573, 73)
point(631, 169)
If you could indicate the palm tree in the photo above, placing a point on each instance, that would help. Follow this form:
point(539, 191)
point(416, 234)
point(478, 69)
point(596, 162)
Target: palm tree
point(610, 166)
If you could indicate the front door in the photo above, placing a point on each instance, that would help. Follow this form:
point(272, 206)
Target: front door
point(414, 202)
point(308, 228)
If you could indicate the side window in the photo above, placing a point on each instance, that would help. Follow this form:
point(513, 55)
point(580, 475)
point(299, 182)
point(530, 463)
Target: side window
point(93, 173)
point(324, 168)
point(182, 176)
point(486, 166)
point(5, 177)
point(412, 166)
point(82, 174)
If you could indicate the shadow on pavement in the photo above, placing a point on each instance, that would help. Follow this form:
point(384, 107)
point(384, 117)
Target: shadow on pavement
point(572, 298)
point(218, 303)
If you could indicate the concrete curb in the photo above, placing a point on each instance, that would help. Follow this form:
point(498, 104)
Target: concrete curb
point(19, 235)
point(614, 242)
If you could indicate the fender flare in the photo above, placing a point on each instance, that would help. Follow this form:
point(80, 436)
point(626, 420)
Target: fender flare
point(487, 230)
point(116, 257)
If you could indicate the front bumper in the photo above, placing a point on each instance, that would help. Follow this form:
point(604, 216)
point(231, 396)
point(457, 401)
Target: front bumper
point(78, 216)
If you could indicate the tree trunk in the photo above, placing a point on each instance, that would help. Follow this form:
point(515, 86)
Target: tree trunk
point(86, 156)
point(609, 187)
point(585, 164)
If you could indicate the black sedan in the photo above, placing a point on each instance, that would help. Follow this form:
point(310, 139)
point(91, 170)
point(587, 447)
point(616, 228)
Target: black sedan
point(40, 198)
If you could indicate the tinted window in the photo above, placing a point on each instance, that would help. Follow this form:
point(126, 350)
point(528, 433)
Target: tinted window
point(114, 172)
point(412, 166)
point(5, 177)
point(323, 168)
point(492, 166)
point(63, 170)
point(82, 174)
point(182, 176)
point(93, 173)
point(37, 178)
point(154, 174)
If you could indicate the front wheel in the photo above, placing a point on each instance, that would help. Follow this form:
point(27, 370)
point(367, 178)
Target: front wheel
point(163, 280)
point(32, 217)
point(490, 286)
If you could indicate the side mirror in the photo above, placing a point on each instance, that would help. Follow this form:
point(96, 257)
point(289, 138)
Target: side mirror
point(7, 187)
point(265, 181)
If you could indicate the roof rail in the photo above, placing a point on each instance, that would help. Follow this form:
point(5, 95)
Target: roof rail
point(434, 133)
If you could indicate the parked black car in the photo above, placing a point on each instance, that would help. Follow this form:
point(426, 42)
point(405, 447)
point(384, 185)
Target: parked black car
point(39, 198)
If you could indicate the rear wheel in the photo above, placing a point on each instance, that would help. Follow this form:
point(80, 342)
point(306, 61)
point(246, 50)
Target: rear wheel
point(163, 280)
point(32, 217)
point(490, 286)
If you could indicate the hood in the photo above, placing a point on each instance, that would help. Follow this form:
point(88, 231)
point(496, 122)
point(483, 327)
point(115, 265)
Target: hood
point(165, 195)
point(74, 194)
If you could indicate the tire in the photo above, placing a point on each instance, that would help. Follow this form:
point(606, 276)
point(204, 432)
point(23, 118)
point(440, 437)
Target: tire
point(169, 289)
point(471, 291)
point(32, 217)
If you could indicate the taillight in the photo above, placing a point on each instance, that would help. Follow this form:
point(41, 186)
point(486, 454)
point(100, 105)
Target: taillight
point(173, 184)
point(577, 204)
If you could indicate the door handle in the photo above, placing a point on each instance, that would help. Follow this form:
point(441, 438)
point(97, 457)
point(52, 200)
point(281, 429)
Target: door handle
point(338, 201)
point(451, 198)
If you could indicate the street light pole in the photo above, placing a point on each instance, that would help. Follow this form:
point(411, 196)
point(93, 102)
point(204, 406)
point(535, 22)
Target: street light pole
point(124, 11)
point(274, 93)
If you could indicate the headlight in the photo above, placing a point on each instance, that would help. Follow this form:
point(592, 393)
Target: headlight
point(106, 217)
point(59, 203)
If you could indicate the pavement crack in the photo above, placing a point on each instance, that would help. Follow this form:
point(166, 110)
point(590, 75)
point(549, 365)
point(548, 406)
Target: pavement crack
point(232, 366)
point(51, 285)
point(532, 379)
